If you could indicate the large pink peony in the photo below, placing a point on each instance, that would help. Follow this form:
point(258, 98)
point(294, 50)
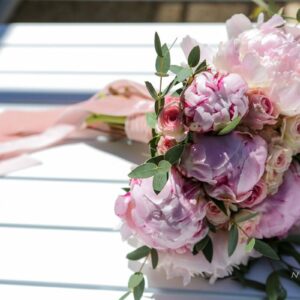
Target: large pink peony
point(267, 56)
point(213, 100)
point(280, 212)
point(173, 219)
point(231, 165)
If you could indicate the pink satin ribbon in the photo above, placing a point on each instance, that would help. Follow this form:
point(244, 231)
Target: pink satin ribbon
point(22, 132)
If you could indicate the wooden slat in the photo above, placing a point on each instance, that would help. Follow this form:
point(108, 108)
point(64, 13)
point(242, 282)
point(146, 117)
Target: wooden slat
point(108, 34)
point(81, 205)
point(105, 161)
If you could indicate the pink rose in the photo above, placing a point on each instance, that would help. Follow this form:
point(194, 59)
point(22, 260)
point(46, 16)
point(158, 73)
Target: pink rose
point(213, 100)
point(174, 219)
point(291, 133)
point(261, 110)
point(164, 144)
point(279, 159)
point(258, 194)
point(170, 120)
point(280, 212)
point(215, 216)
point(231, 165)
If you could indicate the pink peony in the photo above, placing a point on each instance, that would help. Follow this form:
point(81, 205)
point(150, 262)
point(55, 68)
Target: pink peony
point(170, 120)
point(266, 56)
point(173, 219)
point(258, 194)
point(188, 265)
point(280, 212)
point(261, 110)
point(213, 100)
point(231, 165)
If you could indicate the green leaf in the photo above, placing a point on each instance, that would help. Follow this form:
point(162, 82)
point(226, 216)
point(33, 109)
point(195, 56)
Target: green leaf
point(220, 205)
point(176, 69)
point(184, 74)
point(274, 289)
point(231, 126)
point(126, 189)
point(151, 90)
point(169, 87)
point(154, 258)
point(157, 45)
point(144, 171)
point(233, 239)
point(151, 119)
point(194, 57)
point(208, 251)
point(163, 62)
point(250, 245)
point(139, 253)
point(135, 279)
point(201, 245)
point(163, 166)
point(155, 159)
point(173, 155)
point(202, 67)
point(293, 238)
point(139, 290)
point(288, 249)
point(125, 295)
point(265, 249)
point(159, 182)
point(298, 15)
point(241, 219)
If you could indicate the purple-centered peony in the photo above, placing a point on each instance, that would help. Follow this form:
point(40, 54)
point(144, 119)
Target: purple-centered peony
point(213, 100)
point(173, 219)
point(231, 165)
point(280, 212)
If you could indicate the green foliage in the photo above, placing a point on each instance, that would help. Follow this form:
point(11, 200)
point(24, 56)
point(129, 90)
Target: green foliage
point(144, 171)
point(233, 239)
point(241, 219)
point(139, 253)
point(231, 126)
point(151, 120)
point(201, 245)
point(265, 249)
point(159, 182)
point(163, 62)
point(274, 289)
point(194, 57)
point(208, 251)
point(298, 15)
point(154, 258)
point(173, 155)
point(139, 290)
point(135, 279)
point(250, 244)
point(151, 90)
point(125, 295)
point(157, 45)
point(220, 205)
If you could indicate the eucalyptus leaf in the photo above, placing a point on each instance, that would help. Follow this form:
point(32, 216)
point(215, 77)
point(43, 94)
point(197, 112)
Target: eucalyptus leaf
point(233, 239)
point(198, 247)
point(155, 159)
point(135, 279)
point(159, 182)
point(139, 290)
point(144, 171)
point(163, 62)
point(244, 218)
point(176, 69)
point(202, 67)
point(265, 249)
point(231, 126)
point(208, 251)
point(169, 87)
point(125, 295)
point(173, 155)
point(163, 166)
point(151, 119)
point(154, 258)
point(194, 57)
point(274, 289)
point(157, 45)
point(250, 245)
point(151, 90)
point(139, 253)
point(184, 74)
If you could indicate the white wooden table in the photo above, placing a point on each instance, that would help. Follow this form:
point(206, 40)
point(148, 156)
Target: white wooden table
point(59, 237)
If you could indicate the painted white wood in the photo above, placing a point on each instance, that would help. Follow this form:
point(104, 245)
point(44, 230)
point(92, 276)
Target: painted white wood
point(109, 33)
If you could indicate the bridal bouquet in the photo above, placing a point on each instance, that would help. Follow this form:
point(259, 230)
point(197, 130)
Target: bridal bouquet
point(221, 186)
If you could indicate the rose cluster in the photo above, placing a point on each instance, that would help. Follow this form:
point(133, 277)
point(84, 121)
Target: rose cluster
point(239, 123)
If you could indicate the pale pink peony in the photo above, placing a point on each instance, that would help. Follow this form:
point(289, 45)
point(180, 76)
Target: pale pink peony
point(188, 265)
point(280, 212)
point(173, 219)
point(261, 110)
point(266, 56)
point(231, 165)
point(170, 120)
point(258, 194)
point(215, 216)
point(213, 100)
